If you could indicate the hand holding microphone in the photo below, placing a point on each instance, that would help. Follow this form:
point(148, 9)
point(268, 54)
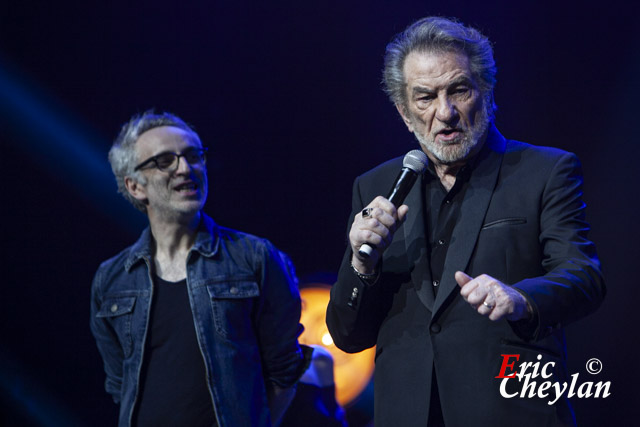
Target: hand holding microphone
point(373, 228)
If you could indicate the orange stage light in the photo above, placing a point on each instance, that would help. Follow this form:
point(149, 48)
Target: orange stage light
point(352, 372)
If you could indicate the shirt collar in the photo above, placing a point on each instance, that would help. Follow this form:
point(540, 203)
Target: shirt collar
point(206, 243)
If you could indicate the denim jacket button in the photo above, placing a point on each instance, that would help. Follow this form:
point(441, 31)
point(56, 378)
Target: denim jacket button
point(233, 290)
point(114, 308)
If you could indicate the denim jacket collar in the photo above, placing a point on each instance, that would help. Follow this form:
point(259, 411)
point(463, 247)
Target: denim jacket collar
point(206, 242)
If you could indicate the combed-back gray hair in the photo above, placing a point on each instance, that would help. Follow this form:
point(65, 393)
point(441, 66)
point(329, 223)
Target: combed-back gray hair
point(122, 155)
point(439, 35)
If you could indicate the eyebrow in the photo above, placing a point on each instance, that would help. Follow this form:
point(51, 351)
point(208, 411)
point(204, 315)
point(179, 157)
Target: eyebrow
point(462, 80)
point(163, 152)
point(422, 89)
point(174, 152)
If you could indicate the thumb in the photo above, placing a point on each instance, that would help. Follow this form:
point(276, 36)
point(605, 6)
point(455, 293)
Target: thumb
point(462, 278)
point(402, 213)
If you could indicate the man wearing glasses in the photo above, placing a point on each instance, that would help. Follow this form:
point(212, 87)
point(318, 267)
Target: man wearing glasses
point(197, 324)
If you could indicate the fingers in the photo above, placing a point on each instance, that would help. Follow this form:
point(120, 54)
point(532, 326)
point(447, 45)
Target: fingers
point(383, 212)
point(462, 278)
point(378, 225)
point(375, 227)
point(488, 296)
point(402, 213)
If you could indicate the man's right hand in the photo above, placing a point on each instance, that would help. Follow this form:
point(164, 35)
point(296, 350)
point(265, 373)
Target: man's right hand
point(377, 230)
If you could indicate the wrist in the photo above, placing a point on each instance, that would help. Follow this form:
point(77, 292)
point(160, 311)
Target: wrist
point(526, 311)
point(365, 267)
point(370, 276)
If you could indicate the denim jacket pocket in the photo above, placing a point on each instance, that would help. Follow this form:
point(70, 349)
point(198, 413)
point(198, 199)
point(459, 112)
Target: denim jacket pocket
point(232, 303)
point(118, 311)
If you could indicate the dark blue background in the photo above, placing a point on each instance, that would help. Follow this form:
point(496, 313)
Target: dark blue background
point(287, 96)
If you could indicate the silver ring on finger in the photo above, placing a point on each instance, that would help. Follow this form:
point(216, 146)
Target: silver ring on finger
point(489, 306)
point(366, 212)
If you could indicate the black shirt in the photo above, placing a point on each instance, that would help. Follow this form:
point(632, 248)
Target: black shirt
point(442, 209)
point(173, 382)
point(442, 213)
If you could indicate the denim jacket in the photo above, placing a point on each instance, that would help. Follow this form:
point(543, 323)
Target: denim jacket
point(246, 311)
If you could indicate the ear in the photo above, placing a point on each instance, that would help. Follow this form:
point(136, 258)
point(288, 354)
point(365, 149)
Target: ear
point(405, 116)
point(134, 188)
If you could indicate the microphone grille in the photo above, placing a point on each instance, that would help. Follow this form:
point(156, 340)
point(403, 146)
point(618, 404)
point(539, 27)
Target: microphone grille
point(415, 160)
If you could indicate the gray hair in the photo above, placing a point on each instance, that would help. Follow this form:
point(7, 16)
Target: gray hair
point(122, 155)
point(438, 35)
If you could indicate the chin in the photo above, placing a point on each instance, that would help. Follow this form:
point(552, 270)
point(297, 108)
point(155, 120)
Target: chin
point(189, 208)
point(453, 156)
point(447, 154)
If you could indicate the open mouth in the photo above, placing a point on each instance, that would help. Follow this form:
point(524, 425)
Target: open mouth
point(186, 187)
point(447, 132)
point(448, 135)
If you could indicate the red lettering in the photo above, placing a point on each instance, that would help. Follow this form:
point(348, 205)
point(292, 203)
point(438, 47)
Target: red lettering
point(506, 364)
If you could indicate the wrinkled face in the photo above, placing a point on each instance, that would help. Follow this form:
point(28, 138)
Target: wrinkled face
point(176, 194)
point(445, 110)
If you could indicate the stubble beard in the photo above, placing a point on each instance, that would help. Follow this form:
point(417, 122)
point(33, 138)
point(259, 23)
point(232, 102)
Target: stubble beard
point(458, 149)
point(180, 211)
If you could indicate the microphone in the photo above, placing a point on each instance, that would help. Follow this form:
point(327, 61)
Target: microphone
point(413, 165)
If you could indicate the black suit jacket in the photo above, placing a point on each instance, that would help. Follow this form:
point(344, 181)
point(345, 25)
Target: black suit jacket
point(521, 222)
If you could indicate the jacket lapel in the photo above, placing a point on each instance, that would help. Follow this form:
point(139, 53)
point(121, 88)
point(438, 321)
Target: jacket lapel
point(472, 213)
point(416, 244)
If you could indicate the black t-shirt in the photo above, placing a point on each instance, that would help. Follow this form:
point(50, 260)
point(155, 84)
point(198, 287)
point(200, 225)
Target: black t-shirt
point(173, 383)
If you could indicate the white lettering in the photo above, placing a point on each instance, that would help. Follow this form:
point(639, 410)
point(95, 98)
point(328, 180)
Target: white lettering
point(574, 378)
point(583, 393)
point(503, 389)
point(523, 369)
point(530, 388)
point(544, 369)
point(599, 386)
point(544, 386)
point(559, 392)
point(536, 366)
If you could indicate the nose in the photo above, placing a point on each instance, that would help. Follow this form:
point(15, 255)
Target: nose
point(446, 110)
point(183, 166)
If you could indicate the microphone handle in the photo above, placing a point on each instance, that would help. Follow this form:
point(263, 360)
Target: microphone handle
point(401, 187)
point(403, 184)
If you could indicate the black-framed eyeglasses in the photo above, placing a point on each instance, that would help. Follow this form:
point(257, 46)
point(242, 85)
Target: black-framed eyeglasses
point(168, 161)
